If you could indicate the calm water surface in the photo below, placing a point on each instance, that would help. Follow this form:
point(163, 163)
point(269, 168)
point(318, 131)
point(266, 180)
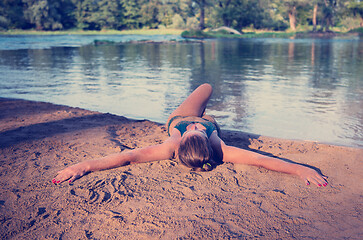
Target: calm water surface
point(297, 89)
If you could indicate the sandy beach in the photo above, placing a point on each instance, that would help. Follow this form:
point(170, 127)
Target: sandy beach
point(163, 200)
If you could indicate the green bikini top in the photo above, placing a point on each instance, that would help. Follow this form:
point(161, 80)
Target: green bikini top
point(182, 126)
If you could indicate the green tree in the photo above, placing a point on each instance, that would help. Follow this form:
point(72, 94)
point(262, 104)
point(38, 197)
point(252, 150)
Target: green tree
point(328, 11)
point(242, 13)
point(98, 14)
point(355, 7)
point(11, 14)
point(315, 13)
point(109, 14)
point(44, 14)
point(131, 12)
point(150, 13)
point(84, 14)
point(291, 7)
point(225, 12)
point(135, 14)
point(67, 9)
point(171, 8)
point(166, 12)
point(201, 4)
point(202, 7)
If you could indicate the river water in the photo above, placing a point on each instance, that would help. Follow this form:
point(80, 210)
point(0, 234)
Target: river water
point(306, 89)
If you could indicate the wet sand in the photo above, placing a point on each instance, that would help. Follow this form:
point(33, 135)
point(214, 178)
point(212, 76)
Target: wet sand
point(163, 200)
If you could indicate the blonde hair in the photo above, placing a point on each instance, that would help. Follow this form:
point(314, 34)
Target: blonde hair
point(196, 152)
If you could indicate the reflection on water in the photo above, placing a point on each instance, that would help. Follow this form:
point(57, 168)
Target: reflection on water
point(297, 89)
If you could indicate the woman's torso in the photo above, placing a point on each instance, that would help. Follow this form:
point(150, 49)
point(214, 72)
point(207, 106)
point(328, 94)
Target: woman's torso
point(181, 122)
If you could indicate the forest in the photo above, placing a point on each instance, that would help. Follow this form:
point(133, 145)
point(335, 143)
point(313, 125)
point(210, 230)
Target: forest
point(277, 15)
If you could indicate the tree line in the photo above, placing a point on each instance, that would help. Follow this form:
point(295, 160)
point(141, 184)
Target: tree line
point(53, 15)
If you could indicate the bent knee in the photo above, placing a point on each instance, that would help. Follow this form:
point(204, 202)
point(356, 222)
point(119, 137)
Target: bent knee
point(207, 87)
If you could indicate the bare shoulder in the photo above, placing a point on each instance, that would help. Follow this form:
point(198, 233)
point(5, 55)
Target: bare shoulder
point(217, 144)
point(215, 139)
point(174, 140)
point(171, 144)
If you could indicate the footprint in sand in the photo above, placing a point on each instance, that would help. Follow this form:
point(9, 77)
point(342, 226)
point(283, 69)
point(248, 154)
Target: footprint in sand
point(88, 195)
point(102, 191)
point(41, 214)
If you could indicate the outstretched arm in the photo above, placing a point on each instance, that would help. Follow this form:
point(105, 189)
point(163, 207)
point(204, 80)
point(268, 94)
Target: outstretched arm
point(241, 156)
point(147, 154)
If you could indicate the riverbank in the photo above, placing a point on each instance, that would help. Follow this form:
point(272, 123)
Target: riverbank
point(197, 34)
point(103, 32)
point(163, 200)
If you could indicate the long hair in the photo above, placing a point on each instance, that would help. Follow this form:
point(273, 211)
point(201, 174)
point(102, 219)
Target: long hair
point(196, 152)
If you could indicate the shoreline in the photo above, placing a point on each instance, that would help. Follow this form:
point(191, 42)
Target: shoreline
point(163, 199)
point(90, 32)
point(224, 129)
point(197, 34)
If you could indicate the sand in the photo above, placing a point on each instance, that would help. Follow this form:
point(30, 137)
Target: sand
point(163, 200)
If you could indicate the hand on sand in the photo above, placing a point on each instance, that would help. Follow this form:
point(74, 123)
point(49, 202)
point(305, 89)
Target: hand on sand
point(311, 176)
point(70, 173)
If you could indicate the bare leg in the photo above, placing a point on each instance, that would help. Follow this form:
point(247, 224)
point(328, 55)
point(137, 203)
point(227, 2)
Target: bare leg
point(195, 103)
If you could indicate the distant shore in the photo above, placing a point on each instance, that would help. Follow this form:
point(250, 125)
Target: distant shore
point(102, 32)
point(196, 34)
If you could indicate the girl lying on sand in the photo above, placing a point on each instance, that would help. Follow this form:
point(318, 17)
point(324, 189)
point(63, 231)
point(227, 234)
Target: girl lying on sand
point(194, 140)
